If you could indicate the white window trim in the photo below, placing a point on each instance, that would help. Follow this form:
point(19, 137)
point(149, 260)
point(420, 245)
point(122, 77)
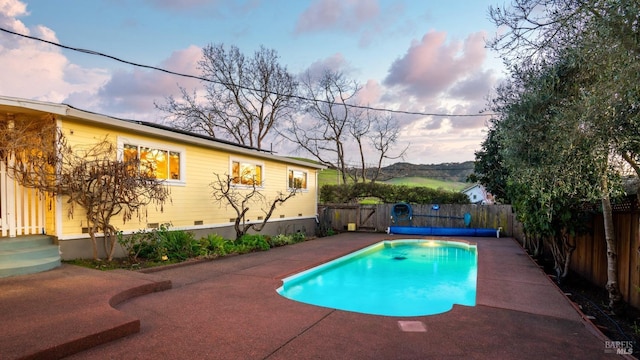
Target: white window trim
point(296, 169)
point(121, 140)
point(233, 159)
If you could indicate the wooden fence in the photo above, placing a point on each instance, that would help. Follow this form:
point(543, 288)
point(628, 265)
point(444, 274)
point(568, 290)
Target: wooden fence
point(589, 260)
point(377, 218)
point(590, 257)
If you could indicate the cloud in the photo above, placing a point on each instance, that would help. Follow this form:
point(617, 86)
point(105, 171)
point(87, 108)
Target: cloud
point(205, 8)
point(350, 15)
point(370, 93)
point(433, 65)
point(36, 70)
point(335, 62)
point(12, 8)
point(178, 5)
point(132, 93)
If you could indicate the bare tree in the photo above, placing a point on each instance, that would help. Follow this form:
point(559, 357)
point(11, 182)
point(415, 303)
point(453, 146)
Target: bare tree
point(241, 198)
point(383, 138)
point(91, 176)
point(326, 137)
point(245, 98)
point(375, 135)
point(358, 129)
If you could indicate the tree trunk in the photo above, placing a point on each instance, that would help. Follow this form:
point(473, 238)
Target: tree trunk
point(615, 297)
point(568, 248)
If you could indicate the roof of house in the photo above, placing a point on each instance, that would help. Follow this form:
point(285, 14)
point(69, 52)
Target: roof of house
point(469, 188)
point(147, 128)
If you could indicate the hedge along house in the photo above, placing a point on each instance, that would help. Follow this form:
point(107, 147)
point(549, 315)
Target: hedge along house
point(186, 162)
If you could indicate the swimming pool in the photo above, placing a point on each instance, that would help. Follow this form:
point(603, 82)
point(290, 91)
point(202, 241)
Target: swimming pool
point(392, 278)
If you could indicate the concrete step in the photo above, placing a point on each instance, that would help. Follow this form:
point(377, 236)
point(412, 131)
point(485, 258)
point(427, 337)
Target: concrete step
point(24, 241)
point(31, 266)
point(27, 255)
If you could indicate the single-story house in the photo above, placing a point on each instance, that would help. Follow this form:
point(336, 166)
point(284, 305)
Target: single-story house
point(187, 162)
point(478, 195)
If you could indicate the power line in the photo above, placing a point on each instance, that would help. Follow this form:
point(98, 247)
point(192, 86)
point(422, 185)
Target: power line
point(96, 53)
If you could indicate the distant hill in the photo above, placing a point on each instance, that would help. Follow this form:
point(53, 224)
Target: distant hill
point(428, 182)
point(456, 172)
point(450, 176)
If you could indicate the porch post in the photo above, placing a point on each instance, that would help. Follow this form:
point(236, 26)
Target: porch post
point(10, 195)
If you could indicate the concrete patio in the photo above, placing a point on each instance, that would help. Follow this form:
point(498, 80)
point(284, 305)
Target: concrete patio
point(228, 309)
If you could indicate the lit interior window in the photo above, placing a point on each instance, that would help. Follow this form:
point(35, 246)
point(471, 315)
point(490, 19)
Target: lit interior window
point(162, 164)
point(246, 173)
point(297, 179)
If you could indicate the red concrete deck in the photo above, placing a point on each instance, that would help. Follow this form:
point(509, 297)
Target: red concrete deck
point(229, 309)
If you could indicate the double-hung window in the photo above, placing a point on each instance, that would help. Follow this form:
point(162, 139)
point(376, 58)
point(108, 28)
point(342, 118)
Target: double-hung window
point(164, 163)
point(297, 179)
point(246, 173)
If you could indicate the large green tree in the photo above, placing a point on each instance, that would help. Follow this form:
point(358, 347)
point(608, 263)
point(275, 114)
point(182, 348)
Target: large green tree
point(592, 47)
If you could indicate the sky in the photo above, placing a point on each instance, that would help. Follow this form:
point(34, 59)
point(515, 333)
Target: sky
point(426, 56)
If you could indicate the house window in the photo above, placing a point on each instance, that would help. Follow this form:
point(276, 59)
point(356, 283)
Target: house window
point(297, 179)
point(246, 173)
point(163, 163)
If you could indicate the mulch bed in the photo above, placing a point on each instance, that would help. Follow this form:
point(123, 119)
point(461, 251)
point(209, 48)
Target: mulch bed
point(593, 301)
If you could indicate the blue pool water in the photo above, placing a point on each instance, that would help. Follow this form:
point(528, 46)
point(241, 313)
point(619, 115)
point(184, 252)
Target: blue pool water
point(392, 278)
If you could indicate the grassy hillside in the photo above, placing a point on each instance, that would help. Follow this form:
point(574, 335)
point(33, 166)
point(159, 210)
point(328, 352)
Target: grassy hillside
point(331, 177)
point(427, 182)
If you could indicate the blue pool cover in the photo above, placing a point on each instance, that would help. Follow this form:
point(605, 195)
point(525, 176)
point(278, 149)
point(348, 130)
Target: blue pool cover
point(444, 231)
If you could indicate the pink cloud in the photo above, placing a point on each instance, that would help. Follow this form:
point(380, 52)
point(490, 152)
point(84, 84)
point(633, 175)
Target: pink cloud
point(335, 62)
point(433, 65)
point(179, 5)
point(137, 89)
point(13, 8)
point(348, 15)
point(370, 93)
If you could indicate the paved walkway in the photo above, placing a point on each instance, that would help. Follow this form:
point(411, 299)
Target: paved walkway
point(228, 309)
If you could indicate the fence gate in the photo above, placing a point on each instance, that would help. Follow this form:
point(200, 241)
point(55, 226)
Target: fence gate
point(367, 219)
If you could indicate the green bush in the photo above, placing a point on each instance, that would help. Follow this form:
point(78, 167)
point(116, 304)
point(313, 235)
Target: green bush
point(298, 237)
point(162, 244)
point(248, 243)
point(283, 239)
point(176, 245)
point(134, 244)
point(389, 194)
point(216, 245)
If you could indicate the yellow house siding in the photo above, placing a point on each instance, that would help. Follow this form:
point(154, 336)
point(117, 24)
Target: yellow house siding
point(191, 199)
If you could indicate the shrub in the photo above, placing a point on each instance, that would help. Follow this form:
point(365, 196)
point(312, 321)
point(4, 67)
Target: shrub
point(178, 244)
point(134, 244)
point(155, 244)
point(298, 237)
point(216, 245)
point(280, 240)
point(248, 243)
point(389, 194)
